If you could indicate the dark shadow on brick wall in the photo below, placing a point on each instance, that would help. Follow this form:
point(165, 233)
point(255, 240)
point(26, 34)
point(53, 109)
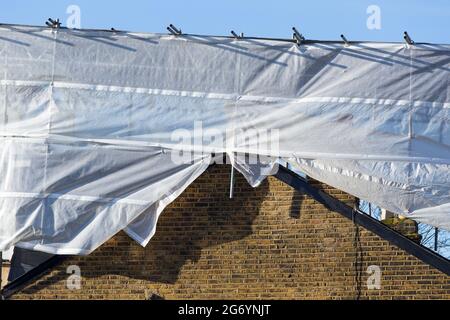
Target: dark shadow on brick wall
point(296, 203)
point(203, 216)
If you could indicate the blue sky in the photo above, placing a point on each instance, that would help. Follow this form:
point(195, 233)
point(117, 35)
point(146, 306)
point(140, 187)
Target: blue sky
point(426, 21)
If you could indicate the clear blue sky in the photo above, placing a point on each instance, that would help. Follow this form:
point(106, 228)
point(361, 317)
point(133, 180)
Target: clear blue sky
point(426, 21)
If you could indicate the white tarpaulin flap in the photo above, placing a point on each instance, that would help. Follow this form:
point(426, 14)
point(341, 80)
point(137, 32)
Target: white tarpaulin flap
point(101, 130)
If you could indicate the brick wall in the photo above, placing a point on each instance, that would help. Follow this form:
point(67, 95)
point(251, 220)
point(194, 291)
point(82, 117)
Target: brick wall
point(267, 243)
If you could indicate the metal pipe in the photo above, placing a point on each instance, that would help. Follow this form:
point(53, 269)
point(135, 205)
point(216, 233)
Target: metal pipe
point(436, 236)
point(171, 31)
point(178, 31)
point(298, 36)
point(345, 40)
point(232, 182)
point(53, 23)
point(408, 38)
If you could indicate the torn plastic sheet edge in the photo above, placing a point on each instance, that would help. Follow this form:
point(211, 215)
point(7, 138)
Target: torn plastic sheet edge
point(162, 204)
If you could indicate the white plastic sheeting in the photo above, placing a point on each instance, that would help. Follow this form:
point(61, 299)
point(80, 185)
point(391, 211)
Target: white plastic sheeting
point(91, 121)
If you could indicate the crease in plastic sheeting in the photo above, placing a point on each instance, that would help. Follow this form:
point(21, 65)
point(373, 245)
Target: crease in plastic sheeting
point(253, 167)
